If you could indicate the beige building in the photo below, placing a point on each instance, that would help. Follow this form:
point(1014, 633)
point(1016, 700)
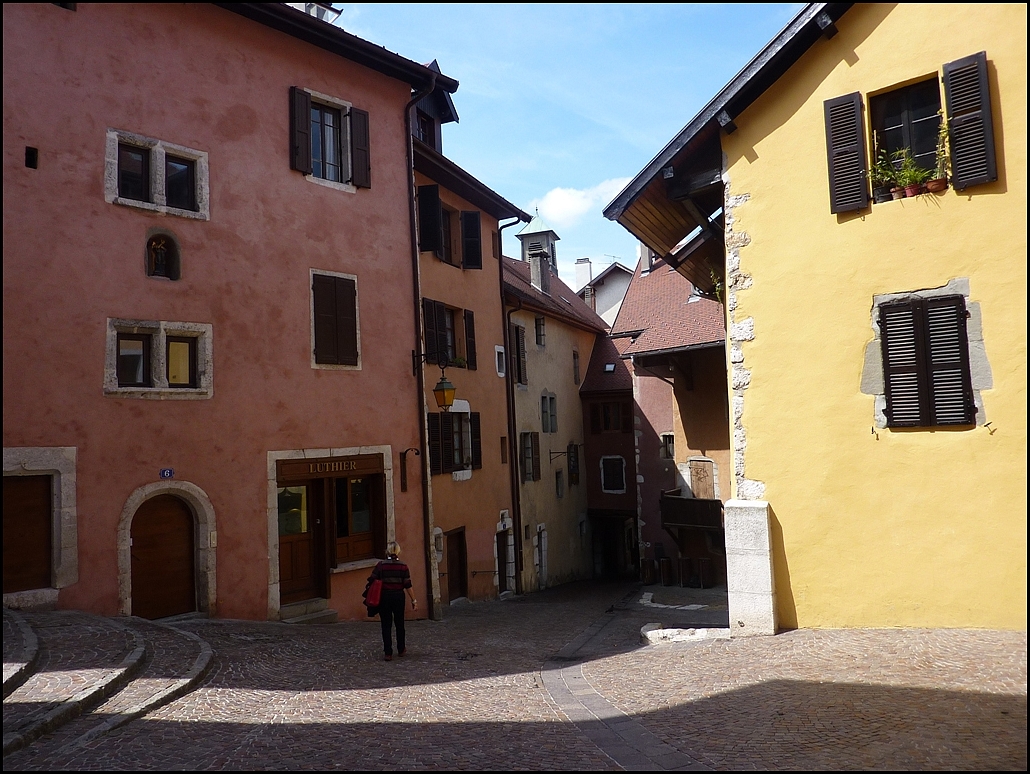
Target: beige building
point(551, 335)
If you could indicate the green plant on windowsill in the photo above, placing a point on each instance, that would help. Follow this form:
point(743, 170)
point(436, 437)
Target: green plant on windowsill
point(883, 176)
point(939, 177)
point(457, 362)
point(911, 176)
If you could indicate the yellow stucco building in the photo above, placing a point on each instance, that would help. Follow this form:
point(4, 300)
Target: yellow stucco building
point(877, 349)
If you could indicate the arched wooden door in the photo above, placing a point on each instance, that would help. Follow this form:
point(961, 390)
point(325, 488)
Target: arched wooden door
point(163, 581)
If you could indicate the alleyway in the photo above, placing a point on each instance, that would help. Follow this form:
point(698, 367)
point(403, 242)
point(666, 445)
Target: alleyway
point(555, 680)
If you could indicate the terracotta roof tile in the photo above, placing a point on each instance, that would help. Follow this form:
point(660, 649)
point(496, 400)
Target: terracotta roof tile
point(607, 355)
point(661, 313)
point(561, 302)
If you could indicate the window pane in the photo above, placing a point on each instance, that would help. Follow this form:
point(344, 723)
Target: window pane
point(332, 146)
point(180, 189)
point(612, 472)
point(316, 141)
point(449, 317)
point(179, 363)
point(361, 510)
point(134, 173)
point(293, 510)
point(132, 361)
point(342, 508)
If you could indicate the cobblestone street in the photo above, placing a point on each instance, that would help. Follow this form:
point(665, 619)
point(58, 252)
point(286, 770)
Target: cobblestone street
point(555, 680)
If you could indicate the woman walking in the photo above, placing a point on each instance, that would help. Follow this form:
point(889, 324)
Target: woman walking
point(396, 582)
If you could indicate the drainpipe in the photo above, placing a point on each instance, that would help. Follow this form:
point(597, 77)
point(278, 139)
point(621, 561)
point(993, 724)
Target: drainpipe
point(513, 446)
point(435, 612)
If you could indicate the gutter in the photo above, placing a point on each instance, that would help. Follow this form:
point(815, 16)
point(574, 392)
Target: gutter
point(509, 385)
point(432, 589)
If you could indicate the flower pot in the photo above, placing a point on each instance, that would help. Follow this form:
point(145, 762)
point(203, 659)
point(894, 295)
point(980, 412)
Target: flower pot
point(937, 185)
point(882, 193)
point(897, 193)
point(913, 190)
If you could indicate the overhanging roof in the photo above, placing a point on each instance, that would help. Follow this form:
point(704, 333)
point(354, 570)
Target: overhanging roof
point(645, 208)
point(452, 177)
point(300, 25)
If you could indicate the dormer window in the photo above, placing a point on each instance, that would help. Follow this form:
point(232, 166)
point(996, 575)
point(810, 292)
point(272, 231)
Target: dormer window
point(425, 129)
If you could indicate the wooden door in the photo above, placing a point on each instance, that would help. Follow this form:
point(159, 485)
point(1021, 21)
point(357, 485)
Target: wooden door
point(27, 532)
point(502, 562)
point(457, 583)
point(702, 479)
point(298, 576)
point(161, 548)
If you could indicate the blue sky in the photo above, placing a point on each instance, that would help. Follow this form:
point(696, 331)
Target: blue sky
point(561, 105)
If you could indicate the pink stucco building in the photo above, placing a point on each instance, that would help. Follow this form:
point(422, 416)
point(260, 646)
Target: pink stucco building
point(210, 306)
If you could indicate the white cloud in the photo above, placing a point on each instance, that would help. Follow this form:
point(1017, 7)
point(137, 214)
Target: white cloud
point(565, 207)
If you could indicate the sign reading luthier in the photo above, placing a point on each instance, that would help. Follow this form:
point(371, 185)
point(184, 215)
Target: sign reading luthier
point(329, 467)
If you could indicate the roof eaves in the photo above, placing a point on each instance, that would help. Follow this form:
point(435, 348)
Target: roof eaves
point(300, 25)
point(448, 174)
point(757, 76)
point(674, 350)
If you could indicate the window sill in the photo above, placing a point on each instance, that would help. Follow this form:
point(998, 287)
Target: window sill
point(345, 187)
point(462, 475)
point(359, 564)
point(162, 209)
point(336, 366)
point(159, 393)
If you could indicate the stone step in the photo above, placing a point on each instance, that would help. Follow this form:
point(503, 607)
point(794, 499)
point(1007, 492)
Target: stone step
point(82, 660)
point(319, 617)
point(176, 661)
point(298, 609)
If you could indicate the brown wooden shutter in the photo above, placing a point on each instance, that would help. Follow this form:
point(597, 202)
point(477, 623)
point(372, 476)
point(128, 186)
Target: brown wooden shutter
point(323, 290)
point(595, 418)
point(845, 153)
point(521, 336)
point(346, 321)
point(471, 240)
point(435, 445)
point(970, 125)
point(947, 347)
point(429, 325)
point(902, 346)
point(477, 440)
point(430, 220)
point(535, 440)
point(447, 440)
point(360, 153)
point(443, 351)
point(525, 460)
point(626, 415)
point(470, 340)
point(300, 130)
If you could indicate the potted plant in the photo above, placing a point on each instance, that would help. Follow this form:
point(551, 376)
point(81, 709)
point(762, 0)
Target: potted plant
point(939, 181)
point(883, 176)
point(911, 176)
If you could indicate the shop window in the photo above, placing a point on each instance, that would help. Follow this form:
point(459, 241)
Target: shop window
point(353, 505)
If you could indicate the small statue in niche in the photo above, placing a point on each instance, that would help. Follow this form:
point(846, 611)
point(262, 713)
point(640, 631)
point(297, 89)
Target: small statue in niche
point(162, 257)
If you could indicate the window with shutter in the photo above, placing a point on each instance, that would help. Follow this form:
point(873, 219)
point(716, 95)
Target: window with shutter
point(545, 414)
point(553, 407)
point(329, 140)
point(845, 151)
point(477, 440)
point(471, 241)
point(926, 363)
point(518, 355)
point(335, 319)
point(535, 440)
point(430, 220)
point(970, 125)
point(435, 444)
point(470, 340)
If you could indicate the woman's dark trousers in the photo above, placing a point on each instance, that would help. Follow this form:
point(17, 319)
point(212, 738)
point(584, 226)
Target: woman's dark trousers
point(391, 611)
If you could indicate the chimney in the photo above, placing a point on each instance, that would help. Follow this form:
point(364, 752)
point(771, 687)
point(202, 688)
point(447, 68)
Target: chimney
point(540, 271)
point(584, 272)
